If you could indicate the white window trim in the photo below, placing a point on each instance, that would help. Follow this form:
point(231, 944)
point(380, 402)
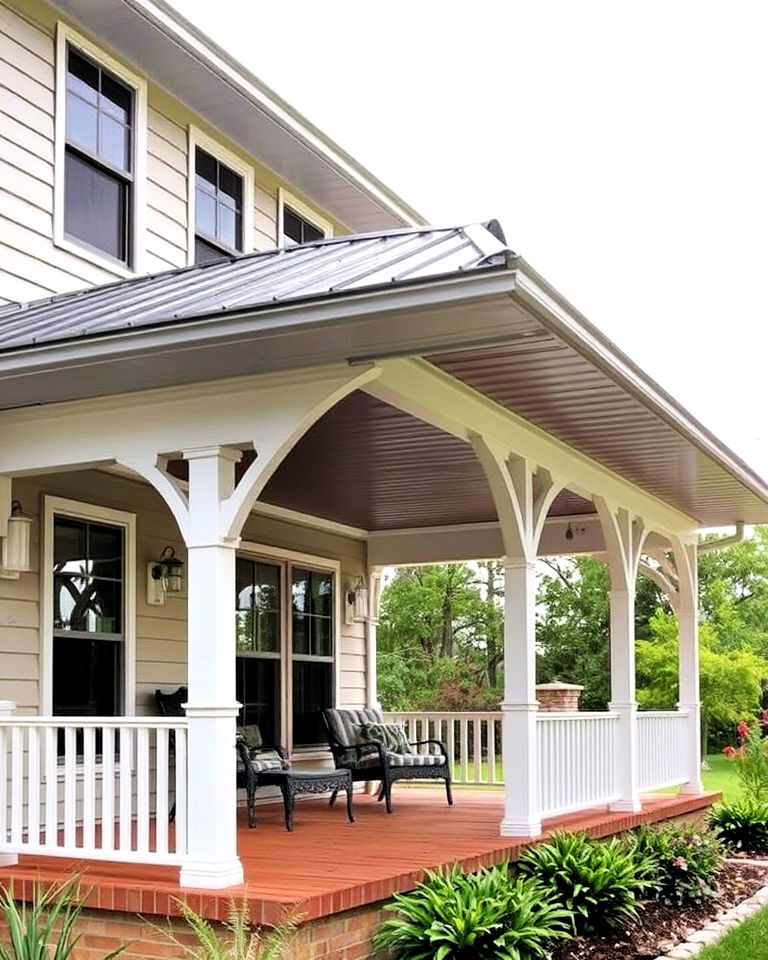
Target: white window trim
point(287, 199)
point(197, 138)
point(58, 506)
point(265, 553)
point(66, 36)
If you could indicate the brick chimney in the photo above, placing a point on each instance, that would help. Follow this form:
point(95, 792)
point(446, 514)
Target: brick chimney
point(558, 697)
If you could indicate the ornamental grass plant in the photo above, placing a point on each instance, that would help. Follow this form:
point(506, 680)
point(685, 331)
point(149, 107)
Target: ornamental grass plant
point(741, 825)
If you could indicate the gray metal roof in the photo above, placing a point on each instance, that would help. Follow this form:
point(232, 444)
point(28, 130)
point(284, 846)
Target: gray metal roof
point(250, 281)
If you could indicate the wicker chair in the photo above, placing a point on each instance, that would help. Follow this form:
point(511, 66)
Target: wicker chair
point(370, 759)
point(253, 757)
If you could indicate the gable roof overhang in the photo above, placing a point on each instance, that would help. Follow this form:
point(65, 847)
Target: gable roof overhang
point(458, 298)
point(180, 58)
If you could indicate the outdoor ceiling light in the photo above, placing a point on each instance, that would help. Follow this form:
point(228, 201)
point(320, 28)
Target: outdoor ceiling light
point(164, 576)
point(15, 556)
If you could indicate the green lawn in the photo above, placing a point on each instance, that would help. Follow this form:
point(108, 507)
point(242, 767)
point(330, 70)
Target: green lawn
point(722, 776)
point(748, 941)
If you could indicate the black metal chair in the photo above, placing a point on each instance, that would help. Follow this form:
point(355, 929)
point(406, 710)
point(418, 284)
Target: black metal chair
point(253, 758)
point(368, 759)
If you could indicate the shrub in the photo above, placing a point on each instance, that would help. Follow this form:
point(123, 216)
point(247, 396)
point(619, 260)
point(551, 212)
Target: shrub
point(44, 928)
point(741, 825)
point(600, 882)
point(687, 861)
point(486, 915)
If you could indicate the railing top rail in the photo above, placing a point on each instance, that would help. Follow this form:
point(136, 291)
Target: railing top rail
point(153, 723)
point(651, 714)
point(552, 715)
point(444, 714)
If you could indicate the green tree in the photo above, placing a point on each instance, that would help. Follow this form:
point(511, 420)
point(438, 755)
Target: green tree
point(730, 679)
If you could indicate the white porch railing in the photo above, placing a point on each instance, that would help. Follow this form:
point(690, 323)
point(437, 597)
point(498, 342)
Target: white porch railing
point(575, 751)
point(660, 760)
point(90, 787)
point(576, 767)
point(472, 738)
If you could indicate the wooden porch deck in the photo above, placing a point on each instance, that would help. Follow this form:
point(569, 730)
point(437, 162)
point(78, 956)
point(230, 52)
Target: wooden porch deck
point(328, 865)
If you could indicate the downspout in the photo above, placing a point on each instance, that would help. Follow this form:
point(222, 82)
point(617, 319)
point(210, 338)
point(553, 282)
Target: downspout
point(707, 545)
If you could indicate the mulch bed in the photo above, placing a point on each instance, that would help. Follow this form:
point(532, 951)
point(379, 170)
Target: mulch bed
point(659, 928)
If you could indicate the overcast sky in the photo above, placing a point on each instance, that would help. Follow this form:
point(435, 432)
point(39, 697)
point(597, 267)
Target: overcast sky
point(621, 144)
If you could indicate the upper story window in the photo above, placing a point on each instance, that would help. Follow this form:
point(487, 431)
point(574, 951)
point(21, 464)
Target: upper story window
point(297, 222)
point(298, 230)
point(218, 208)
point(220, 200)
point(100, 155)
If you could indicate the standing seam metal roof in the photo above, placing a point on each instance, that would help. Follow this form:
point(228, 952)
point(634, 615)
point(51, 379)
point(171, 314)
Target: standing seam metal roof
point(249, 281)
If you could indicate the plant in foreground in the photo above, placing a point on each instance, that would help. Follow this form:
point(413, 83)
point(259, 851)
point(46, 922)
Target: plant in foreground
point(45, 928)
point(687, 861)
point(242, 942)
point(487, 915)
point(741, 825)
point(600, 882)
point(751, 759)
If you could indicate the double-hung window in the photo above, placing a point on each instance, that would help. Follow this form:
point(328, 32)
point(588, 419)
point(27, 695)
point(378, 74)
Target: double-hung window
point(100, 155)
point(218, 208)
point(98, 166)
point(286, 614)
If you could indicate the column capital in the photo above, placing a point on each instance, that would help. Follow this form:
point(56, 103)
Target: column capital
point(206, 453)
point(511, 706)
point(618, 705)
point(519, 563)
point(221, 542)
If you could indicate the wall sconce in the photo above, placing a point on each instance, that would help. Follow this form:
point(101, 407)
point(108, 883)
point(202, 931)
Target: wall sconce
point(356, 601)
point(164, 576)
point(15, 556)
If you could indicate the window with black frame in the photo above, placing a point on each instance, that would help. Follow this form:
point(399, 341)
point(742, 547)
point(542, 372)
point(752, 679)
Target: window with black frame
point(88, 618)
point(259, 636)
point(218, 209)
point(98, 158)
point(312, 631)
point(297, 229)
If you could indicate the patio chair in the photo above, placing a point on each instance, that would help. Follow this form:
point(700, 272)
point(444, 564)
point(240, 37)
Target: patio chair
point(253, 757)
point(369, 759)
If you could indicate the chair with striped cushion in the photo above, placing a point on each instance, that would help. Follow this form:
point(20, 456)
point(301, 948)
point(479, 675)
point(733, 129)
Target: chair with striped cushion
point(253, 759)
point(370, 749)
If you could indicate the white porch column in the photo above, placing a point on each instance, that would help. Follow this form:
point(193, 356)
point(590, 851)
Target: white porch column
point(686, 561)
point(522, 494)
point(624, 537)
point(520, 707)
point(623, 702)
point(371, 625)
point(212, 859)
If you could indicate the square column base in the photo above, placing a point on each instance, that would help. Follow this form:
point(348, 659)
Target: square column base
point(520, 828)
point(625, 806)
point(212, 875)
point(692, 787)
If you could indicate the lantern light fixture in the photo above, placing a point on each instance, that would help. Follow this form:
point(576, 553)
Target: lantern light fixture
point(15, 554)
point(356, 596)
point(164, 576)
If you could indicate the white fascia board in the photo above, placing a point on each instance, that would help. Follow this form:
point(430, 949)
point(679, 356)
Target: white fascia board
point(243, 325)
point(246, 85)
point(557, 315)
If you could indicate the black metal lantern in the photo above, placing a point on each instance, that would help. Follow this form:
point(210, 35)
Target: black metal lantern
point(170, 570)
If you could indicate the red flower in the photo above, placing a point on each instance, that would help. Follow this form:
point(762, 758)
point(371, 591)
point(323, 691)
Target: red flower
point(743, 730)
point(729, 752)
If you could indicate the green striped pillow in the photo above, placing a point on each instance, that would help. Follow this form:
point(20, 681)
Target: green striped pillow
point(392, 735)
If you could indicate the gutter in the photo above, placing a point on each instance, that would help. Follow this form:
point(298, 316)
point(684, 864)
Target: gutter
point(707, 546)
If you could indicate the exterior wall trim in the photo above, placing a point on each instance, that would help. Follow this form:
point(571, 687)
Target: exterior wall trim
point(66, 35)
point(85, 511)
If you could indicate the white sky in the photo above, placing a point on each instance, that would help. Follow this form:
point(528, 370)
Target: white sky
point(622, 145)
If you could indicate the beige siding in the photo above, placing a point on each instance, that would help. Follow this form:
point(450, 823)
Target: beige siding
point(161, 633)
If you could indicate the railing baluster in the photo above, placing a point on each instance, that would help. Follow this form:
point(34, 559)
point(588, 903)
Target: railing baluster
point(108, 789)
point(89, 788)
point(126, 789)
point(70, 787)
point(161, 790)
point(180, 829)
point(17, 785)
point(477, 749)
point(33, 786)
point(142, 789)
point(464, 748)
point(51, 763)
